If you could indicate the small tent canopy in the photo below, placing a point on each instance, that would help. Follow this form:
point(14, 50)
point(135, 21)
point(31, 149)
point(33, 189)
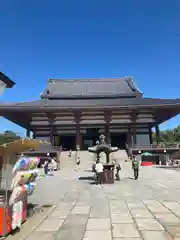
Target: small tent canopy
point(146, 154)
point(8, 158)
point(12, 149)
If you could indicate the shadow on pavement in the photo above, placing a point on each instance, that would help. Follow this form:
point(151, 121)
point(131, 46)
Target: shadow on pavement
point(88, 170)
point(131, 178)
point(89, 178)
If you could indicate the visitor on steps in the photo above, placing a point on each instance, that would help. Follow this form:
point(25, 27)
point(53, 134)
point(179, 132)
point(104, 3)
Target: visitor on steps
point(135, 167)
point(78, 163)
point(70, 153)
point(118, 168)
point(99, 171)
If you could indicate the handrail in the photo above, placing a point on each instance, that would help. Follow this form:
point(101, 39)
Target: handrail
point(160, 145)
point(57, 147)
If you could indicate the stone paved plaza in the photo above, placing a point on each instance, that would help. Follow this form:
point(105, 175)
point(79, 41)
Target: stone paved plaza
point(146, 209)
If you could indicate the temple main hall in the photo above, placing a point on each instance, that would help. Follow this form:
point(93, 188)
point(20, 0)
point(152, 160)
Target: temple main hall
point(74, 112)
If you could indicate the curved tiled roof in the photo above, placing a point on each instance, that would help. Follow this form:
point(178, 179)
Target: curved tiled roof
point(82, 88)
point(91, 103)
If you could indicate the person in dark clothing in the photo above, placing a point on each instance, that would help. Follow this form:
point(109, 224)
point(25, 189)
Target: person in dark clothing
point(99, 178)
point(46, 167)
point(77, 163)
point(70, 153)
point(118, 168)
point(135, 167)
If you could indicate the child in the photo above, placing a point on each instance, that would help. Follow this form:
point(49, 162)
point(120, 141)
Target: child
point(118, 168)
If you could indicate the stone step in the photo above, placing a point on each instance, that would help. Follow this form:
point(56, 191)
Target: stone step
point(87, 159)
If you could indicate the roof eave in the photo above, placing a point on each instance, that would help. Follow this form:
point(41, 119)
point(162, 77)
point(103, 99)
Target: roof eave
point(27, 108)
point(9, 83)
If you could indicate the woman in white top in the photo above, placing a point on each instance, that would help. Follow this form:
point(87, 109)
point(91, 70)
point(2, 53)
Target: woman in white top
point(99, 171)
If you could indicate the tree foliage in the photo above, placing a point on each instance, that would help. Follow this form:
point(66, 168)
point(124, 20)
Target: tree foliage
point(170, 136)
point(8, 136)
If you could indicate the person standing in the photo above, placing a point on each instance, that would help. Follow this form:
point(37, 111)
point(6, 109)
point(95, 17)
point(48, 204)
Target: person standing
point(99, 171)
point(78, 163)
point(53, 165)
point(135, 167)
point(46, 166)
point(118, 168)
point(70, 153)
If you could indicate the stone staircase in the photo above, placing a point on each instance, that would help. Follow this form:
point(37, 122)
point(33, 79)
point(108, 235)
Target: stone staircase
point(87, 159)
point(66, 161)
point(119, 156)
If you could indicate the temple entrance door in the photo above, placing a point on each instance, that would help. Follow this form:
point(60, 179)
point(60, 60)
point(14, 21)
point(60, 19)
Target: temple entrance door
point(68, 142)
point(118, 140)
point(89, 140)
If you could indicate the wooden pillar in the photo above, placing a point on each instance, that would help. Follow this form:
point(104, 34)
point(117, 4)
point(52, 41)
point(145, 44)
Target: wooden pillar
point(28, 119)
point(157, 134)
point(129, 137)
point(107, 119)
point(28, 133)
point(51, 133)
point(34, 135)
point(56, 140)
point(77, 118)
point(150, 135)
point(78, 143)
point(54, 136)
point(107, 133)
point(134, 139)
point(51, 120)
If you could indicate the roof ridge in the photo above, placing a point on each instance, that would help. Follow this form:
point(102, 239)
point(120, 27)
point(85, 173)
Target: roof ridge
point(88, 79)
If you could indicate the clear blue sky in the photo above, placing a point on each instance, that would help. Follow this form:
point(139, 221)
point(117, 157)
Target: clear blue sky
point(90, 38)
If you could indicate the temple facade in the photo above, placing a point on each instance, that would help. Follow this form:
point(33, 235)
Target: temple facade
point(75, 112)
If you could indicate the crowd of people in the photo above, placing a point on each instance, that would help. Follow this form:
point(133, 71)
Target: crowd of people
point(98, 169)
point(49, 166)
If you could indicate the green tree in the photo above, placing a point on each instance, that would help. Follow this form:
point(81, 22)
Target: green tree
point(8, 136)
point(169, 136)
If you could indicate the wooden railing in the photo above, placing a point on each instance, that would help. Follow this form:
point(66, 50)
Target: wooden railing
point(58, 148)
point(160, 145)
